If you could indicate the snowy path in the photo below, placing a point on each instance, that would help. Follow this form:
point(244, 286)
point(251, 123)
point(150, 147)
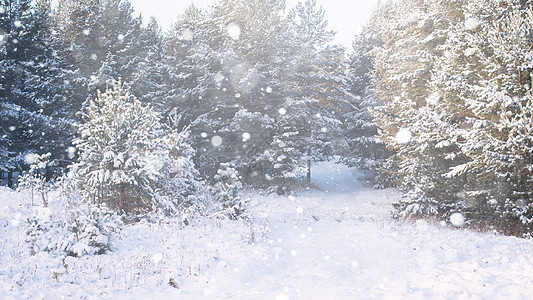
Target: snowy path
point(342, 244)
point(337, 243)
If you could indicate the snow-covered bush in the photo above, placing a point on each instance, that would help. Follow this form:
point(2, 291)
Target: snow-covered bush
point(226, 191)
point(75, 229)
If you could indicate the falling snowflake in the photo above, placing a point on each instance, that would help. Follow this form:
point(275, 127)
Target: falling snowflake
point(186, 35)
point(471, 23)
point(157, 257)
point(219, 77)
point(94, 56)
point(216, 141)
point(282, 111)
point(30, 158)
point(403, 136)
point(268, 90)
point(234, 31)
point(433, 98)
point(203, 135)
point(120, 37)
point(18, 24)
point(457, 219)
point(246, 136)
point(86, 31)
point(71, 152)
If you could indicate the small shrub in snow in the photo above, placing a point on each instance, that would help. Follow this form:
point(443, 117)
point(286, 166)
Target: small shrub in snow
point(35, 178)
point(226, 191)
point(76, 229)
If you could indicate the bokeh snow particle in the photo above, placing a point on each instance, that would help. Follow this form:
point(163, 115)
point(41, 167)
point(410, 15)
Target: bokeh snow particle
point(216, 141)
point(246, 136)
point(219, 77)
point(234, 31)
point(120, 37)
point(94, 56)
point(203, 135)
point(157, 257)
point(71, 152)
point(471, 23)
point(268, 90)
point(238, 95)
point(433, 98)
point(30, 158)
point(521, 203)
point(282, 111)
point(403, 136)
point(457, 219)
point(18, 24)
point(186, 35)
point(12, 128)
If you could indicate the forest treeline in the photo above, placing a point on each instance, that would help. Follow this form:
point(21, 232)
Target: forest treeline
point(434, 98)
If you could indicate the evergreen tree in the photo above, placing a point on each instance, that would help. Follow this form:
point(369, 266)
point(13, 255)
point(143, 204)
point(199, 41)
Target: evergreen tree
point(127, 158)
point(364, 149)
point(104, 41)
point(33, 111)
point(314, 86)
point(251, 37)
point(226, 191)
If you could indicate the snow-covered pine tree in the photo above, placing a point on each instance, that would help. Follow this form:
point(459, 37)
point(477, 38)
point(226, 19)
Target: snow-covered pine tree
point(226, 191)
point(485, 80)
point(151, 75)
point(314, 84)
point(410, 120)
point(126, 157)
point(248, 89)
point(364, 149)
point(104, 40)
point(193, 63)
point(33, 111)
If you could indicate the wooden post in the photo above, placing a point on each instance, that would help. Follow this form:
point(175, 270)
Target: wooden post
point(309, 164)
point(10, 179)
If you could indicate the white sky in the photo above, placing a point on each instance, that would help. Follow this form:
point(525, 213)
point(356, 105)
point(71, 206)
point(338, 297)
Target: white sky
point(345, 16)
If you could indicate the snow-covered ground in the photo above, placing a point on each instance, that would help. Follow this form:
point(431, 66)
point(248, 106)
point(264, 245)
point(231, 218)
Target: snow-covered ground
point(337, 243)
